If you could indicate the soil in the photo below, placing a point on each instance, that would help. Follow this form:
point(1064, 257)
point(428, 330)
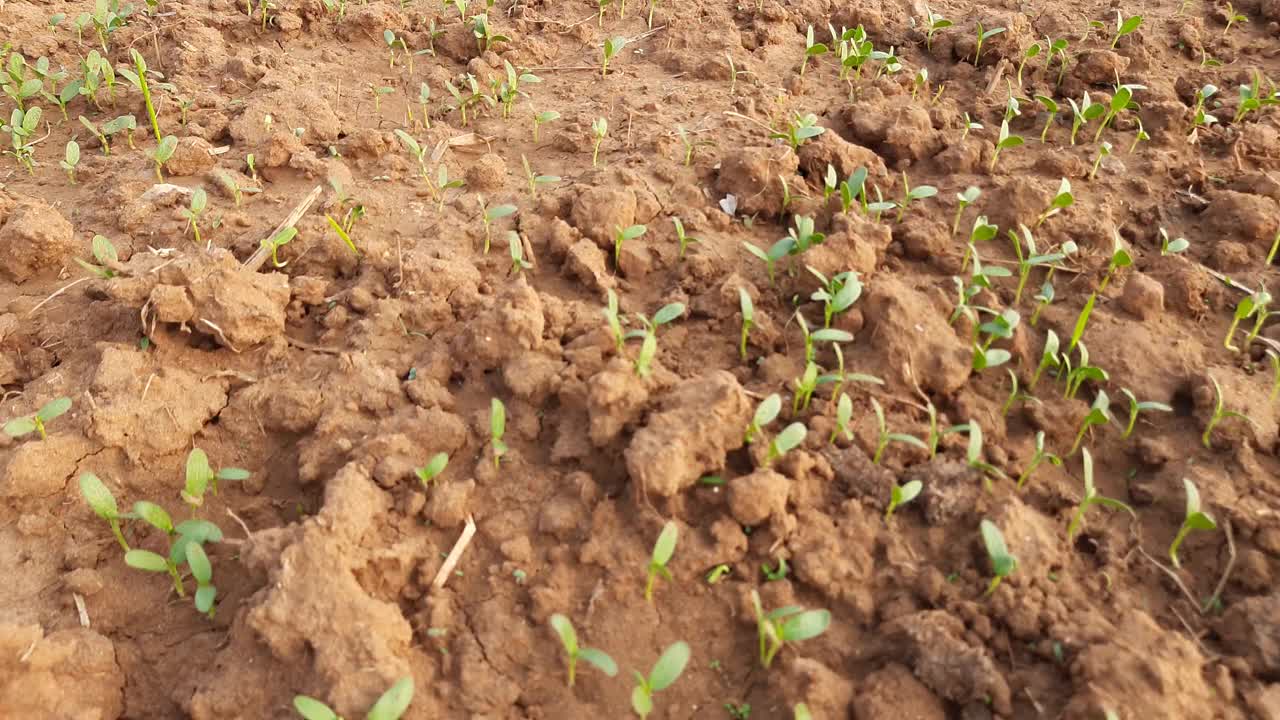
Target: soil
point(334, 375)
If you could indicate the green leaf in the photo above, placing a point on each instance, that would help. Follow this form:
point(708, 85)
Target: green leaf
point(831, 335)
point(434, 467)
point(205, 595)
point(393, 702)
point(154, 515)
point(1130, 25)
point(164, 150)
point(909, 491)
point(198, 561)
point(768, 410)
point(568, 636)
point(53, 409)
point(633, 232)
point(667, 313)
point(199, 474)
point(641, 703)
point(19, 427)
point(1193, 497)
point(200, 531)
point(802, 710)
point(669, 666)
point(908, 439)
point(146, 560)
point(500, 211)
point(806, 625)
point(100, 499)
point(233, 474)
point(600, 660)
point(665, 547)
point(790, 437)
point(1201, 521)
point(994, 540)
point(497, 419)
point(312, 709)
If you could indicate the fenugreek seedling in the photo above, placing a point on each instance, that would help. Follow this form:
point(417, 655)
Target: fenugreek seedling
point(1172, 247)
point(776, 252)
point(15, 83)
point(37, 421)
point(573, 652)
point(599, 129)
point(148, 561)
point(1091, 498)
point(649, 335)
point(390, 706)
point(105, 253)
point(854, 190)
point(900, 495)
point(1099, 414)
point(789, 439)
point(612, 46)
point(1220, 413)
point(844, 419)
point(620, 236)
point(912, 194)
point(1051, 106)
point(831, 335)
point(964, 200)
point(1200, 117)
point(277, 241)
point(1003, 563)
point(1038, 456)
point(515, 248)
point(429, 472)
point(103, 504)
point(799, 129)
point(766, 412)
point(663, 549)
point(884, 436)
point(614, 320)
point(1233, 16)
point(541, 119)
point(489, 216)
point(983, 36)
point(1255, 306)
point(933, 23)
point(199, 200)
point(1125, 26)
point(1004, 142)
point(497, 428)
point(665, 672)
point(70, 160)
point(202, 573)
point(1136, 407)
point(22, 128)
point(785, 625)
point(812, 49)
point(1194, 519)
point(805, 385)
point(486, 38)
point(1048, 357)
point(1140, 135)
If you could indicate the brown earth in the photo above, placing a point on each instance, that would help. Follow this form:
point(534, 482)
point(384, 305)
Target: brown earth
point(332, 377)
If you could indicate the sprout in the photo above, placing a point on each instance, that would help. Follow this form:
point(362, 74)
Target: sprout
point(1099, 414)
point(1051, 106)
point(621, 235)
point(1124, 26)
point(1122, 100)
point(1038, 456)
point(1172, 247)
point(200, 476)
point(443, 183)
point(1002, 562)
point(802, 712)
point(776, 252)
point(1194, 519)
point(599, 128)
point(684, 240)
point(199, 199)
point(665, 672)
point(390, 706)
point(1139, 136)
point(786, 624)
point(497, 428)
point(202, 572)
point(982, 231)
point(748, 319)
point(837, 294)
point(884, 437)
point(973, 455)
point(612, 46)
point(1076, 377)
point(1220, 413)
point(1061, 201)
point(830, 335)
point(1043, 299)
point(983, 36)
point(969, 124)
point(910, 194)
point(901, 495)
point(485, 37)
point(70, 160)
point(491, 214)
point(1083, 113)
point(277, 241)
point(429, 472)
point(36, 422)
point(1136, 407)
point(103, 504)
point(812, 49)
point(535, 179)
point(1233, 17)
point(805, 385)
point(934, 23)
point(161, 153)
point(663, 549)
point(964, 200)
point(542, 118)
point(614, 319)
point(844, 417)
point(569, 639)
point(1048, 357)
point(1255, 306)
point(516, 249)
point(799, 129)
point(416, 149)
point(935, 433)
point(1005, 141)
point(766, 412)
point(343, 234)
point(1253, 98)
point(1032, 51)
point(1091, 497)
point(1026, 263)
point(789, 439)
point(649, 335)
point(1200, 118)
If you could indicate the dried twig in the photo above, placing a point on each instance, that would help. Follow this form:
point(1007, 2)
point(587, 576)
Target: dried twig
point(446, 569)
point(242, 524)
point(56, 293)
point(81, 610)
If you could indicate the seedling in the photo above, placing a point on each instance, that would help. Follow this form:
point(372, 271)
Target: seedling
point(983, 36)
point(485, 36)
point(982, 231)
point(599, 128)
point(1048, 358)
point(837, 294)
point(1003, 563)
point(785, 625)
point(776, 252)
point(789, 439)
point(884, 436)
point(844, 419)
point(443, 184)
point(1038, 456)
point(200, 476)
point(663, 549)
point(148, 561)
point(900, 495)
point(973, 455)
point(1125, 26)
point(919, 81)
point(541, 119)
point(1091, 497)
point(1255, 306)
point(1194, 519)
point(22, 127)
point(1220, 413)
point(37, 421)
point(1083, 113)
point(1136, 407)
point(1253, 98)
point(665, 672)
point(1032, 260)
point(202, 572)
point(1200, 118)
point(684, 240)
point(1233, 17)
point(612, 46)
point(1004, 142)
point(1275, 245)
point(199, 199)
point(516, 249)
point(621, 235)
point(535, 179)
point(689, 144)
point(934, 23)
point(161, 153)
point(497, 428)
point(812, 49)
point(103, 504)
point(799, 129)
point(429, 472)
point(805, 385)
point(416, 149)
point(343, 234)
point(490, 215)
point(105, 253)
point(910, 195)
point(1139, 136)
point(70, 160)
point(1051, 107)
point(1061, 201)
point(1122, 100)
point(390, 706)
point(748, 319)
point(969, 124)
point(1099, 414)
point(649, 335)
point(854, 189)
point(139, 80)
point(277, 241)
point(766, 412)
point(964, 200)
point(573, 652)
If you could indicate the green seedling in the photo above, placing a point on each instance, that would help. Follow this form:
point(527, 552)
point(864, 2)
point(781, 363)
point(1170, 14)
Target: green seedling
point(933, 23)
point(443, 184)
point(665, 672)
point(1274, 357)
point(969, 124)
point(684, 240)
point(837, 294)
point(884, 436)
point(1038, 456)
point(601, 6)
point(277, 241)
point(802, 235)
point(105, 253)
point(1003, 563)
point(854, 190)
point(1255, 306)
point(1220, 413)
point(812, 49)
point(1048, 358)
point(1032, 51)
point(516, 250)
point(1253, 98)
point(1122, 100)
point(983, 36)
point(1275, 245)
point(718, 573)
point(805, 385)
point(36, 422)
point(663, 549)
point(802, 712)
point(799, 129)
point(599, 128)
point(785, 625)
point(1031, 260)
point(199, 200)
point(689, 144)
point(1194, 519)
point(22, 128)
point(1233, 16)
point(1083, 114)
point(497, 428)
point(139, 80)
point(389, 37)
point(1139, 136)
point(963, 201)
point(612, 46)
point(390, 706)
point(889, 62)
point(486, 38)
point(649, 335)
point(999, 327)
point(748, 320)
point(541, 119)
point(535, 179)
point(202, 573)
point(200, 476)
point(900, 495)
point(936, 433)
point(982, 231)
point(831, 335)
point(125, 123)
point(1200, 117)
point(1120, 258)
point(912, 194)
point(844, 419)
point(620, 236)
point(1015, 395)
point(103, 504)
point(70, 160)
point(251, 166)
point(161, 154)
point(1044, 298)
point(1125, 26)
point(573, 652)
point(416, 149)
point(973, 455)
point(1082, 373)
point(1062, 200)
point(491, 215)
point(766, 412)
point(429, 472)
point(148, 561)
point(1136, 407)
point(789, 439)
point(1091, 498)
point(1005, 141)
point(1051, 106)
point(15, 83)
point(377, 91)
point(1099, 414)
point(919, 81)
